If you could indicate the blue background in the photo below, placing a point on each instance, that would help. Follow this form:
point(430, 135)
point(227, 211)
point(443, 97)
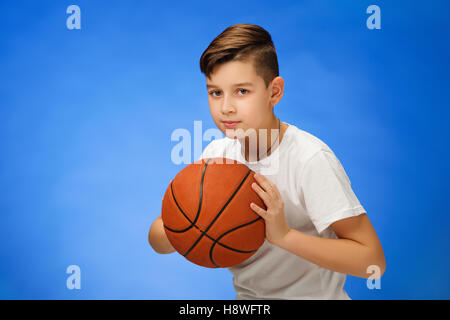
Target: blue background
point(86, 118)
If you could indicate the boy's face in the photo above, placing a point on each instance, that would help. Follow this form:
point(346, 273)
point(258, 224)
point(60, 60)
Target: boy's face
point(237, 93)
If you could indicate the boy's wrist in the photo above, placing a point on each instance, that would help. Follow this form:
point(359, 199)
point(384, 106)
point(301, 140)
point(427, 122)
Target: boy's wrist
point(282, 242)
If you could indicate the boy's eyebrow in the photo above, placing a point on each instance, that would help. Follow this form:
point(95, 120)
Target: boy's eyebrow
point(236, 85)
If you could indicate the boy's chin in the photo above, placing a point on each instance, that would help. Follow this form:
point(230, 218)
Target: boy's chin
point(234, 134)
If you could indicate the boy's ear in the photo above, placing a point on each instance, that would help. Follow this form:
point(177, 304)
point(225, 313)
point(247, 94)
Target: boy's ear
point(277, 86)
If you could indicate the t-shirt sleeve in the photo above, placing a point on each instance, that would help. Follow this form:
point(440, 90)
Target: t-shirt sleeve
point(326, 190)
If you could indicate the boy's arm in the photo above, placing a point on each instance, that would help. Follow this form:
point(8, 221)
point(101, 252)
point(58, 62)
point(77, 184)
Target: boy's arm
point(356, 249)
point(158, 239)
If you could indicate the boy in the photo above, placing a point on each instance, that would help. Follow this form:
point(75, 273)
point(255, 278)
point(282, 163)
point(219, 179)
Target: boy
point(316, 229)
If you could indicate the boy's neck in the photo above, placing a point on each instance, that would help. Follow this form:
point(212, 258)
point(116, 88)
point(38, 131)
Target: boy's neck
point(273, 139)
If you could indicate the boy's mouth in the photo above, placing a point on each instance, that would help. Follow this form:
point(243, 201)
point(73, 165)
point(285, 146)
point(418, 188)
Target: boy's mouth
point(230, 124)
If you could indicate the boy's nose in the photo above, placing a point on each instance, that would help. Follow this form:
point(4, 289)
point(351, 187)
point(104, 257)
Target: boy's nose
point(226, 109)
point(227, 105)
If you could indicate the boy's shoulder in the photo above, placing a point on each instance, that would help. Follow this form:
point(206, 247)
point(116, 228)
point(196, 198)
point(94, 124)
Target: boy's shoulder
point(304, 144)
point(219, 143)
point(216, 147)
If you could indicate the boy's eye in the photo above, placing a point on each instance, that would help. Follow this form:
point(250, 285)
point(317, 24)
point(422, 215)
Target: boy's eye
point(214, 91)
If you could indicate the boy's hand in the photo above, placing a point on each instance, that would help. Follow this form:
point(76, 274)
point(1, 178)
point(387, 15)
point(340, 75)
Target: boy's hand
point(276, 224)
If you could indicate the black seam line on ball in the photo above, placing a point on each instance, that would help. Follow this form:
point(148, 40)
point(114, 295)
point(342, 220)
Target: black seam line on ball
point(217, 240)
point(199, 203)
point(218, 214)
point(224, 234)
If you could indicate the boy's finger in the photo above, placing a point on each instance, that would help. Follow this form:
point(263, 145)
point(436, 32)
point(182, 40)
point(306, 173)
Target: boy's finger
point(260, 192)
point(265, 184)
point(258, 210)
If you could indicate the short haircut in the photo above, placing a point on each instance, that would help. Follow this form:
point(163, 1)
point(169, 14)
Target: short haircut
point(242, 42)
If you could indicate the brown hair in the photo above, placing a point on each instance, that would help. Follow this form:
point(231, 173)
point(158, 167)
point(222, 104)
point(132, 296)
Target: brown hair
point(242, 42)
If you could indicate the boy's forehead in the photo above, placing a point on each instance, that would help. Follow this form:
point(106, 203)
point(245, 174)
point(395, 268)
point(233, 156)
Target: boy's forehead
point(238, 84)
point(233, 73)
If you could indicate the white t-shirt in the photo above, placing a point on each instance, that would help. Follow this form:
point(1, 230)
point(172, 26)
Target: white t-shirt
point(316, 192)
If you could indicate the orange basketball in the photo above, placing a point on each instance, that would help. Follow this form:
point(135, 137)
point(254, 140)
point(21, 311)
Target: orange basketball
point(207, 216)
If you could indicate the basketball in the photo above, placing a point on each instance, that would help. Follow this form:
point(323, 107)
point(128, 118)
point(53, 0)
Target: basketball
point(207, 216)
